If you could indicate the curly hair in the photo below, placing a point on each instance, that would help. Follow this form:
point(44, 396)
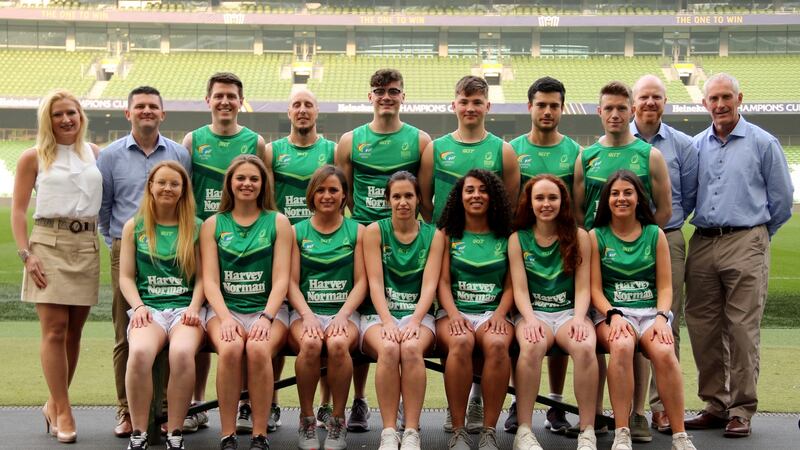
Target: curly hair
point(643, 213)
point(453, 219)
point(566, 227)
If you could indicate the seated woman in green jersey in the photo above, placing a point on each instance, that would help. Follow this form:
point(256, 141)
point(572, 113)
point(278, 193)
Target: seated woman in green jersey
point(403, 257)
point(245, 247)
point(475, 298)
point(160, 279)
point(549, 262)
point(328, 283)
point(631, 284)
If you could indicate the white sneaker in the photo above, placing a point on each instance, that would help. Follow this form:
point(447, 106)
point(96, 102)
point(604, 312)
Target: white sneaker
point(448, 422)
point(622, 439)
point(337, 434)
point(587, 440)
point(525, 439)
point(474, 415)
point(488, 439)
point(307, 434)
point(410, 440)
point(460, 440)
point(682, 441)
point(390, 440)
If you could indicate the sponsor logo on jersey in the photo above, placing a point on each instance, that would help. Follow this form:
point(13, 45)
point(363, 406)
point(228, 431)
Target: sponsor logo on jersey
point(529, 258)
point(457, 248)
point(307, 245)
point(143, 239)
point(225, 237)
point(245, 149)
point(524, 160)
point(448, 156)
point(609, 253)
point(498, 249)
point(364, 147)
point(284, 159)
point(204, 151)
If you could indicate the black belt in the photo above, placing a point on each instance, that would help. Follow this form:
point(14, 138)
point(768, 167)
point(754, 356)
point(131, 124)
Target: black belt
point(670, 230)
point(718, 231)
point(74, 225)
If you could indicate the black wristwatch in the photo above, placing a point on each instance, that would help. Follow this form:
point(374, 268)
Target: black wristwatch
point(267, 315)
point(663, 314)
point(611, 313)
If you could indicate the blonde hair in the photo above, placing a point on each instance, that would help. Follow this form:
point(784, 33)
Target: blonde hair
point(187, 233)
point(46, 139)
point(265, 200)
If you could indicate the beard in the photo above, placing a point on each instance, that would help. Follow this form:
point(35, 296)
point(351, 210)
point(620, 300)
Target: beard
point(303, 131)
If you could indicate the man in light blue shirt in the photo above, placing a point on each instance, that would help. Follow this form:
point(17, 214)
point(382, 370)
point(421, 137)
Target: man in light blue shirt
point(744, 195)
point(125, 164)
point(649, 99)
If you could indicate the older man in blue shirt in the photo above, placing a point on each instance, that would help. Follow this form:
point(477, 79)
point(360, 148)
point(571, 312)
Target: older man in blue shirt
point(125, 164)
point(744, 195)
point(649, 99)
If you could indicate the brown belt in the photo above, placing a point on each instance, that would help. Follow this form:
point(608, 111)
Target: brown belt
point(74, 225)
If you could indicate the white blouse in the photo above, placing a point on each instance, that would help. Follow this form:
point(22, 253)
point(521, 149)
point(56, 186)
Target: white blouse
point(72, 187)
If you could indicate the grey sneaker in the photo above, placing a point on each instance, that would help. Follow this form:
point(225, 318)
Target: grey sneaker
point(587, 440)
point(137, 441)
point(174, 440)
point(622, 439)
point(194, 422)
point(401, 418)
point(337, 432)
point(324, 413)
point(460, 440)
point(359, 416)
point(244, 423)
point(474, 415)
point(488, 439)
point(274, 418)
point(228, 443)
point(511, 423)
point(525, 439)
point(307, 434)
point(682, 441)
point(259, 442)
point(640, 429)
point(390, 440)
point(556, 421)
point(448, 422)
point(410, 440)
point(599, 430)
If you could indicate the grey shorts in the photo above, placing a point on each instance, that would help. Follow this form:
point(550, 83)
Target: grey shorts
point(247, 320)
point(554, 320)
point(475, 319)
point(368, 320)
point(640, 318)
point(169, 318)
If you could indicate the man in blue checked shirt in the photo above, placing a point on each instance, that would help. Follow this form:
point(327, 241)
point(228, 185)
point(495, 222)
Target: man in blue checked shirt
point(744, 195)
point(649, 99)
point(125, 164)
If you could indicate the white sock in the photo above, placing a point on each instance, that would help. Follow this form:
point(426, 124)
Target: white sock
point(513, 398)
point(556, 397)
point(475, 392)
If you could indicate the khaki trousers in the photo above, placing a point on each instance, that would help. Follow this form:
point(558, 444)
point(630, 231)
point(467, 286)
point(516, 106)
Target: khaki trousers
point(677, 256)
point(119, 317)
point(726, 287)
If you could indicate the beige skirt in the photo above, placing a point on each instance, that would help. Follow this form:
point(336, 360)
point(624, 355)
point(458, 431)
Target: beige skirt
point(71, 263)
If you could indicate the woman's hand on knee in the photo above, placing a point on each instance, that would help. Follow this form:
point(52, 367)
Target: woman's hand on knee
point(230, 329)
point(410, 331)
point(260, 331)
point(337, 326)
point(578, 330)
point(312, 328)
point(497, 324)
point(619, 328)
point(532, 330)
point(390, 332)
point(191, 317)
point(662, 331)
point(460, 325)
point(141, 317)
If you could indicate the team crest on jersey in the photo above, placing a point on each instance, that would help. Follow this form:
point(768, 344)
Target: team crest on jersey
point(284, 159)
point(364, 148)
point(321, 159)
point(244, 149)
point(594, 163)
point(524, 160)
point(405, 151)
point(564, 158)
point(635, 162)
point(225, 238)
point(457, 248)
point(648, 253)
point(609, 253)
point(488, 160)
point(529, 259)
point(447, 156)
point(204, 151)
point(498, 249)
point(307, 245)
point(387, 252)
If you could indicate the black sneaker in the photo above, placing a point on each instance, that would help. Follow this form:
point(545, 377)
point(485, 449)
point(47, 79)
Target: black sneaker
point(244, 423)
point(511, 424)
point(175, 440)
point(274, 418)
point(259, 443)
point(359, 416)
point(228, 443)
point(557, 421)
point(138, 441)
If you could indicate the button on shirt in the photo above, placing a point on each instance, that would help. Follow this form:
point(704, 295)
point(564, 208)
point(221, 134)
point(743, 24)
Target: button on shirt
point(681, 158)
point(743, 182)
point(125, 168)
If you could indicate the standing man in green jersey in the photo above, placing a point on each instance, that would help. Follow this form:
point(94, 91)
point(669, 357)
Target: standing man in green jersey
point(212, 148)
point(290, 162)
point(545, 150)
point(293, 159)
point(470, 146)
point(368, 156)
point(618, 149)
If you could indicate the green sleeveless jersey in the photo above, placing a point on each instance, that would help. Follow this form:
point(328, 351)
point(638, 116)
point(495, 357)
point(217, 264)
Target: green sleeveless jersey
point(211, 156)
point(558, 160)
point(600, 162)
point(245, 261)
point(375, 157)
point(478, 266)
point(629, 268)
point(403, 268)
point(292, 167)
point(161, 282)
point(551, 290)
point(327, 262)
point(452, 160)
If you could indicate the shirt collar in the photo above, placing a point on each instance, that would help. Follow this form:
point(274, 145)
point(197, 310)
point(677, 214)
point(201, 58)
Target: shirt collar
point(661, 133)
point(739, 131)
point(130, 142)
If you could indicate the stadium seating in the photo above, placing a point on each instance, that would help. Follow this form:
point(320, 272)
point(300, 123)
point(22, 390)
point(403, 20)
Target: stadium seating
point(766, 78)
point(31, 73)
point(793, 155)
point(183, 75)
point(583, 78)
point(346, 78)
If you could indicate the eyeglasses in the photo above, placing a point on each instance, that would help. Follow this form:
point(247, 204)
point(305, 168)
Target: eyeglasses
point(393, 92)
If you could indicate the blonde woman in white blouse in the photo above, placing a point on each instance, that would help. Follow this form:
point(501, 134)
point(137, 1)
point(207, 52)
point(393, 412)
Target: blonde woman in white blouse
point(61, 257)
